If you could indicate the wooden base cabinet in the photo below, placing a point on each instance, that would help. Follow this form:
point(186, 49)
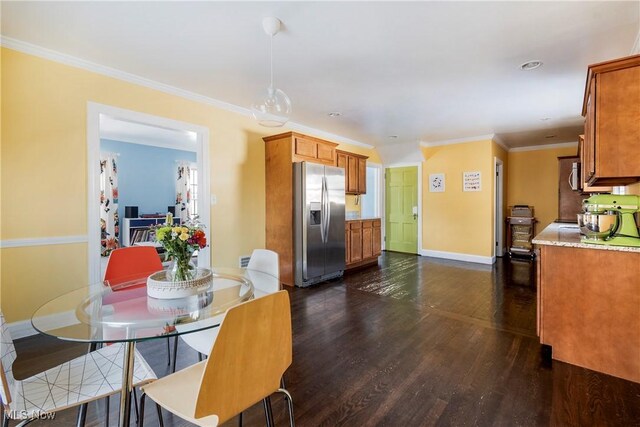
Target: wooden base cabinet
point(363, 240)
point(589, 308)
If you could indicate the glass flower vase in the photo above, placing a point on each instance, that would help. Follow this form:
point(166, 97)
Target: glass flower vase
point(181, 269)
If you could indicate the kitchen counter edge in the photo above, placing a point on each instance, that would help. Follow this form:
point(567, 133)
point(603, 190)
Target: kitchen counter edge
point(568, 235)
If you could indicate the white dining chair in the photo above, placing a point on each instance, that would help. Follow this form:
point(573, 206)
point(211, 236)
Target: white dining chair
point(261, 261)
point(84, 379)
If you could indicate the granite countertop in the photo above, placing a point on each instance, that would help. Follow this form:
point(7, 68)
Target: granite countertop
point(361, 218)
point(559, 234)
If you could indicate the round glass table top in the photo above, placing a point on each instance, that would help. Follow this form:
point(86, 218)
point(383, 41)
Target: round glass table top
point(124, 312)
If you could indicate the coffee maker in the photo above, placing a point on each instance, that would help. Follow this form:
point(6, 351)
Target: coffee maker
point(610, 219)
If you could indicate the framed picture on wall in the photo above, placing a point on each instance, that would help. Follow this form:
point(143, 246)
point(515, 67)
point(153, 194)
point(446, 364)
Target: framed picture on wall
point(436, 182)
point(472, 181)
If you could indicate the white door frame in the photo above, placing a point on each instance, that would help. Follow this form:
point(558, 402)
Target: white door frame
point(383, 197)
point(498, 213)
point(94, 111)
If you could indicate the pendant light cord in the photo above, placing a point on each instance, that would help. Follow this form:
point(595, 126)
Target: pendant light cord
point(271, 56)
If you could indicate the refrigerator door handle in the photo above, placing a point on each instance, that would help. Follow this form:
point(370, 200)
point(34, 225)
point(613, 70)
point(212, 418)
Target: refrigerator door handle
point(323, 213)
point(328, 209)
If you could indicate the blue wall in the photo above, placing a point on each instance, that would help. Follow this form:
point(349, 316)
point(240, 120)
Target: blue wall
point(146, 175)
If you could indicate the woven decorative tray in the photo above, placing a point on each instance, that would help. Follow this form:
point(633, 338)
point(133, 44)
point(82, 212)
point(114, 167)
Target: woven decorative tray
point(159, 287)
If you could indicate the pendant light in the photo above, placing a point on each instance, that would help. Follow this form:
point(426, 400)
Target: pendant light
point(273, 108)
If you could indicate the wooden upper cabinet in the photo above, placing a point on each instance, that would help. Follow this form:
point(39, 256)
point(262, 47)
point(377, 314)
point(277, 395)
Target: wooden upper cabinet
point(612, 122)
point(355, 171)
point(305, 148)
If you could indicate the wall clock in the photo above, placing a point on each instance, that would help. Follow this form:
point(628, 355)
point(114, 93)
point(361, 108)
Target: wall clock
point(436, 182)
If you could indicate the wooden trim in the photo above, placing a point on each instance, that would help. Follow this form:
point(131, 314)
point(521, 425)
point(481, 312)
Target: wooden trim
point(349, 153)
point(298, 135)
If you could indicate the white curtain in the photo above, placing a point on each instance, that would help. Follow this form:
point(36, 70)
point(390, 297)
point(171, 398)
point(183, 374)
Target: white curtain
point(109, 221)
point(183, 192)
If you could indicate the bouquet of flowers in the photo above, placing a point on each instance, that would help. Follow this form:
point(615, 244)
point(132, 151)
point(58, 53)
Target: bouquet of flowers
point(180, 242)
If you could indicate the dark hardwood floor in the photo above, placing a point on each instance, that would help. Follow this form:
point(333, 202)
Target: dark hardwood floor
point(414, 342)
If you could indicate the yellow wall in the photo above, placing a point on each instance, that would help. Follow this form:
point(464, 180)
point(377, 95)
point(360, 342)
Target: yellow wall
point(533, 180)
point(43, 172)
point(457, 221)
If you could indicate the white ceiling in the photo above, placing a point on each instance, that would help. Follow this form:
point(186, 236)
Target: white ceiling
point(424, 71)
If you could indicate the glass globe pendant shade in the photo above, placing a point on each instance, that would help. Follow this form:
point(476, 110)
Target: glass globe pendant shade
point(273, 108)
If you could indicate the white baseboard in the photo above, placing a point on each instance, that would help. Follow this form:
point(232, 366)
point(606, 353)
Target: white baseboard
point(478, 259)
point(21, 329)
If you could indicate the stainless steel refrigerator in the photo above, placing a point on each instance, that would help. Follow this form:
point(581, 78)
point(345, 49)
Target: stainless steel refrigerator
point(318, 222)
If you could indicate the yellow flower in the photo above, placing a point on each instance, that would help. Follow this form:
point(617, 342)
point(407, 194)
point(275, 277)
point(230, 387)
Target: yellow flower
point(185, 230)
point(183, 236)
point(176, 230)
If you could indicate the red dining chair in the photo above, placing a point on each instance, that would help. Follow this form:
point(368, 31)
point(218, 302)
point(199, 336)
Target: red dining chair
point(130, 263)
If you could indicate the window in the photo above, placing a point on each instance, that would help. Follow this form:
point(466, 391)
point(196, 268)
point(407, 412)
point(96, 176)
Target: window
point(370, 202)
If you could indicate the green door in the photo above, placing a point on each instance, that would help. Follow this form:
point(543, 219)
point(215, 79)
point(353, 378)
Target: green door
point(402, 209)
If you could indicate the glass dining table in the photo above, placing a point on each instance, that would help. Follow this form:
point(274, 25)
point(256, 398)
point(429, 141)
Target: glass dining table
point(125, 313)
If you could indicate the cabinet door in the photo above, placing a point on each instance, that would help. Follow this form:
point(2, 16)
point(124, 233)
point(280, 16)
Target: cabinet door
point(326, 154)
point(617, 124)
point(582, 182)
point(341, 162)
point(362, 176)
point(377, 238)
point(347, 244)
point(352, 175)
point(589, 164)
point(306, 148)
point(367, 239)
point(355, 238)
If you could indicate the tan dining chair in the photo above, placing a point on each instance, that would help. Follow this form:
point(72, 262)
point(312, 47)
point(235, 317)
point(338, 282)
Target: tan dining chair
point(251, 353)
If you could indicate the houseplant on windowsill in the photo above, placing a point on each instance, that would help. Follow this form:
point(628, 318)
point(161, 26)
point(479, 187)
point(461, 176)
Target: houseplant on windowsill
point(180, 242)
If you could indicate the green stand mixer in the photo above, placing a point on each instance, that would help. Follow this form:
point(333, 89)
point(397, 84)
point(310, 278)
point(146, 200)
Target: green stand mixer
point(609, 219)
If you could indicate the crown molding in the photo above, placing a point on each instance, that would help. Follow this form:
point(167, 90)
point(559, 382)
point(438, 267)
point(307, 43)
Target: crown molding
point(498, 140)
point(635, 50)
point(490, 136)
point(543, 147)
point(52, 55)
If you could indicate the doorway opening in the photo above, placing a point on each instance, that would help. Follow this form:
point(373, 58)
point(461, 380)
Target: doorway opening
point(116, 131)
point(403, 208)
point(498, 210)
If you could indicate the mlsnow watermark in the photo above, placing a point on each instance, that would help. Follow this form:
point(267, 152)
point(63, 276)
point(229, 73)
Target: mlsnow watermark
point(38, 415)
